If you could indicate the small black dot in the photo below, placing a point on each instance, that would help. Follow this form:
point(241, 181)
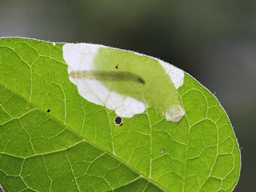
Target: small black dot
point(117, 66)
point(48, 111)
point(118, 120)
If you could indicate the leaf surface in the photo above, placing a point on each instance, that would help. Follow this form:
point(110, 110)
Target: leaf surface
point(52, 139)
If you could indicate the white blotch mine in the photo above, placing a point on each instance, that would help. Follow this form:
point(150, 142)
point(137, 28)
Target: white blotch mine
point(174, 114)
point(81, 57)
point(175, 74)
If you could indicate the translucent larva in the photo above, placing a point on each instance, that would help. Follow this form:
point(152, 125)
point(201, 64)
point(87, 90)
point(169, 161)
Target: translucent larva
point(107, 76)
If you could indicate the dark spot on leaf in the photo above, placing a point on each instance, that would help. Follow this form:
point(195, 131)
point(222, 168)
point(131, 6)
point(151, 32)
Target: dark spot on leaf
point(48, 111)
point(117, 66)
point(118, 121)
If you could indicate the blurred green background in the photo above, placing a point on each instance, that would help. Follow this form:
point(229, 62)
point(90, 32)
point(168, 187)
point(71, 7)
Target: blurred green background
point(214, 41)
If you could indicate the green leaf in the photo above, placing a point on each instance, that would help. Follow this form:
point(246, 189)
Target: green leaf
point(52, 139)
